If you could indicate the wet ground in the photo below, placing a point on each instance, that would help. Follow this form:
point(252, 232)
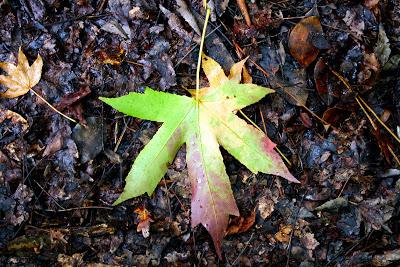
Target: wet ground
point(58, 179)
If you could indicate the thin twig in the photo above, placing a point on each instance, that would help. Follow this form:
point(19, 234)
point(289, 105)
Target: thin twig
point(120, 138)
point(82, 208)
point(380, 121)
point(361, 102)
point(168, 200)
point(55, 201)
point(52, 107)
point(132, 62)
point(245, 13)
point(245, 247)
point(394, 155)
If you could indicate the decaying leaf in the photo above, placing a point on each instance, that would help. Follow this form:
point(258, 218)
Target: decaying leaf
point(387, 258)
point(301, 42)
point(266, 204)
point(22, 77)
point(333, 204)
point(203, 126)
point(354, 22)
point(371, 4)
point(187, 15)
point(16, 120)
point(283, 235)
point(241, 224)
point(112, 57)
point(375, 213)
point(309, 241)
point(382, 48)
point(337, 114)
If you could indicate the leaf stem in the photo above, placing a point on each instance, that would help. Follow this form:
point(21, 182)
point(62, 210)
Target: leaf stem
point(203, 35)
point(52, 107)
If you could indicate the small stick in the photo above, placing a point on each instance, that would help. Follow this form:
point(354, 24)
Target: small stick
point(243, 9)
point(82, 208)
point(52, 107)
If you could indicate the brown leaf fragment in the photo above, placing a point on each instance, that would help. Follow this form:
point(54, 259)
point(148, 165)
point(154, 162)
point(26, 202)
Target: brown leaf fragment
point(369, 70)
point(55, 144)
point(305, 119)
point(241, 224)
point(263, 19)
point(15, 119)
point(22, 77)
point(57, 236)
point(371, 4)
point(144, 221)
point(111, 56)
point(355, 23)
point(74, 260)
point(375, 213)
point(176, 25)
point(300, 40)
point(266, 205)
point(283, 235)
point(321, 80)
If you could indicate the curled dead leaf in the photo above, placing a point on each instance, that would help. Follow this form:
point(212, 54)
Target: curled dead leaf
point(336, 115)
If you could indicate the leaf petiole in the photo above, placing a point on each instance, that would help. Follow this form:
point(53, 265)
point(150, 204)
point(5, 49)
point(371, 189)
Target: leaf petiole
point(52, 107)
point(203, 35)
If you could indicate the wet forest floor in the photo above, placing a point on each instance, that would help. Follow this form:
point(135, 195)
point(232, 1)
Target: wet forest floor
point(58, 179)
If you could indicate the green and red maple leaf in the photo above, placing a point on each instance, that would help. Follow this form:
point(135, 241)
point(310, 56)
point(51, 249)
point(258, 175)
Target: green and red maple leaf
point(202, 125)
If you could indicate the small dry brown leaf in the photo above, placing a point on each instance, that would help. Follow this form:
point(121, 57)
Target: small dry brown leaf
point(22, 77)
point(300, 40)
